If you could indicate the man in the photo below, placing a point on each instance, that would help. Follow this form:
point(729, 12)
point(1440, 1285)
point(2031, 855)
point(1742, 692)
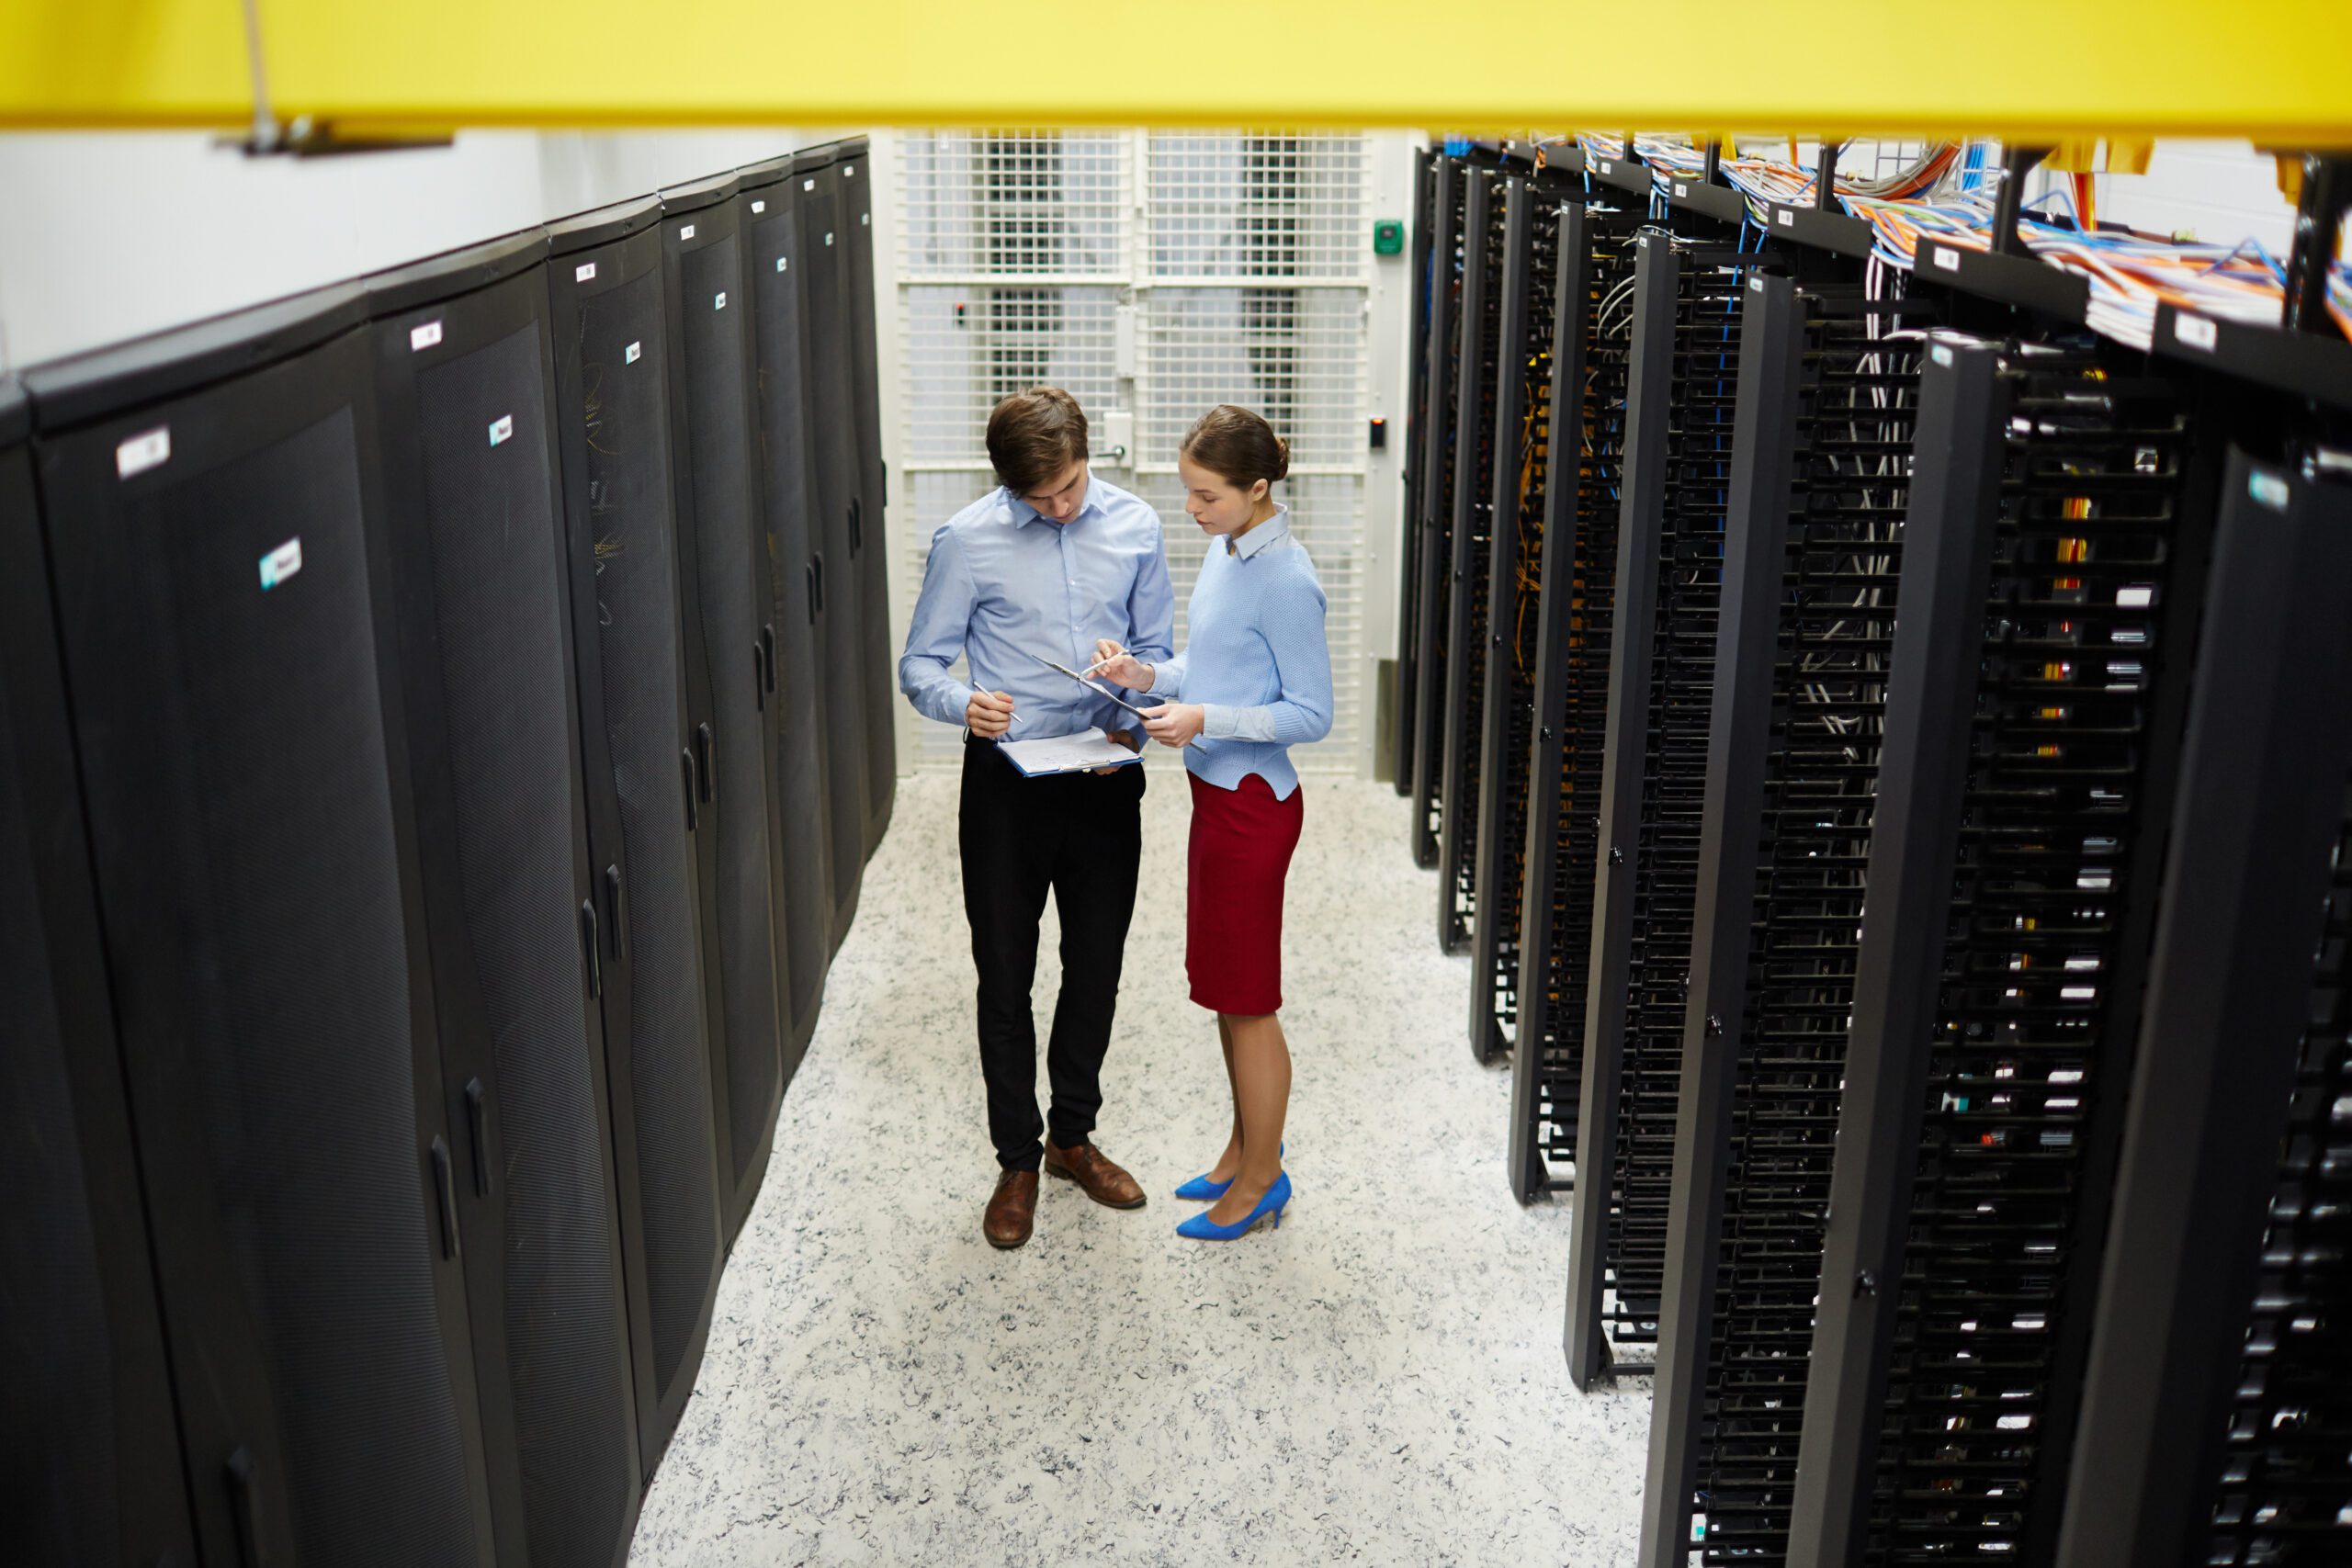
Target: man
point(1042, 567)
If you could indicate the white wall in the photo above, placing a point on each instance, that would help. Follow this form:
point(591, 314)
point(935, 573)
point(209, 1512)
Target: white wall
point(110, 235)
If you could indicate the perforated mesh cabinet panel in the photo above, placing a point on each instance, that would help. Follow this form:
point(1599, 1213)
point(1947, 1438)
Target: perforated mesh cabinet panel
point(775, 249)
point(1575, 609)
point(1256, 205)
point(832, 449)
point(622, 519)
point(1295, 355)
point(966, 346)
point(250, 859)
point(91, 1455)
point(734, 838)
point(1046, 203)
point(475, 531)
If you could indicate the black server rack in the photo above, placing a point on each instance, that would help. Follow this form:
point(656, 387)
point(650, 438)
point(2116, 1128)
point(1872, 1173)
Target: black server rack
point(1812, 554)
point(867, 537)
point(833, 458)
point(1433, 552)
point(604, 284)
point(729, 645)
point(2215, 1403)
point(1470, 542)
point(2054, 559)
point(473, 526)
point(1591, 323)
point(1520, 473)
point(1416, 349)
point(1669, 557)
point(774, 248)
point(92, 1460)
point(225, 616)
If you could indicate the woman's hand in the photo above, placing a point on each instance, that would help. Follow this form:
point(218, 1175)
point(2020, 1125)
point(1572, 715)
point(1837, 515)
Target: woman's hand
point(1119, 667)
point(1173, 724)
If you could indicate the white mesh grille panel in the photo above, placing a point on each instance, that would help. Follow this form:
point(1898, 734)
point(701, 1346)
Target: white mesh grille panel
point(1015, 203)
point(1238, 274)
point(1255, 206)
point(968, 346)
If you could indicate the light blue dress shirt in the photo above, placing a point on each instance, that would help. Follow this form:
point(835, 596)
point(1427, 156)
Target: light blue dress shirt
point(1004, 587)
point(1259, 662)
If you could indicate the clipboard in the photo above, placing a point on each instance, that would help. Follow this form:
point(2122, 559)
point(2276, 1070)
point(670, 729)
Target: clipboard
point(1079, 753)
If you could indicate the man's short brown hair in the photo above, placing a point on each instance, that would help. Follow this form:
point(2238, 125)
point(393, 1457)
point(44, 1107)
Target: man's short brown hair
point(1033, 435)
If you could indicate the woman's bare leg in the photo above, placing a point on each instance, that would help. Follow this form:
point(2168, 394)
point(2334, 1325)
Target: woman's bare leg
point(1229, 1162)
point(1261, 1101)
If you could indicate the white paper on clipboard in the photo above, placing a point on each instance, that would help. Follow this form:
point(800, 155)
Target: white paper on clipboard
point(1082, 752)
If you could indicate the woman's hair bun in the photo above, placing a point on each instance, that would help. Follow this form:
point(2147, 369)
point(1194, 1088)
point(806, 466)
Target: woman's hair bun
point(1238, 446)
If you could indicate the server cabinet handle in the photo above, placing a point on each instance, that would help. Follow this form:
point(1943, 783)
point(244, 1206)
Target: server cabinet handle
point(704, 746)
point(811, 572)
point(694, 816)
point(445, 1184)
point(478, 1114)
point(820, 581)
point(759, 678)
point(593, 970)
point(244, 1506)
point(856, 529)
point(613, 908)
point(767, 655)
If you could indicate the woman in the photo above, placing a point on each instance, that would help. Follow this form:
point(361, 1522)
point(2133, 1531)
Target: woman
point(1255, 681)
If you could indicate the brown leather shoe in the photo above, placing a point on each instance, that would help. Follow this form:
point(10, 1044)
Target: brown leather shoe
point(1095, 1175)
point(1013, 1209)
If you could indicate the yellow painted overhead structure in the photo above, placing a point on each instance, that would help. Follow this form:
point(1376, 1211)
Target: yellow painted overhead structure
point(2273, 70)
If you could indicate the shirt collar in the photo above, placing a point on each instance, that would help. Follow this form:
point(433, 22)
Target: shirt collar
point(1024, 514)
point(1273, 528)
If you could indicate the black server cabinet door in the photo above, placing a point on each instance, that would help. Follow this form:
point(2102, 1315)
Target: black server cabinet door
point(869, 540)
point(474, 530)
point(776, 256)
point(613, 426)
point(248, 817)
point(734, 734)
point(90, 1464)
point(833, 447)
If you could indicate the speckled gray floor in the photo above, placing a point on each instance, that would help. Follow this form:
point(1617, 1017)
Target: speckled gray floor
point(1378, 1382)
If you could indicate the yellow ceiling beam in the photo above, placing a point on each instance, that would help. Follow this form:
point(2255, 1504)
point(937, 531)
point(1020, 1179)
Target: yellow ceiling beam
point(2273, 70)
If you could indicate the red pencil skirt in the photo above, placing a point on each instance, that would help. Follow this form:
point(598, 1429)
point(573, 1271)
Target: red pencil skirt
point(1241, 846)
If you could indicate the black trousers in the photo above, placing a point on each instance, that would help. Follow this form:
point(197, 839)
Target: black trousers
point(1079, 836)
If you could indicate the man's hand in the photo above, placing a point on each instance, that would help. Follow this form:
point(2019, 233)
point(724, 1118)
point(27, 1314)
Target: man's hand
point(1173, 724)
point(989, 714)
point(1125, 737)
point(1119, 667)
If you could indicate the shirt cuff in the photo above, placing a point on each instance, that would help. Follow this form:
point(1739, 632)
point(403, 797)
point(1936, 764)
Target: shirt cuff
point(1217, 721)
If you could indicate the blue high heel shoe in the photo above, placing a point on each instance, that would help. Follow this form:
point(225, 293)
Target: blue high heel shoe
point(1200, 1228)
point(1201, 1190)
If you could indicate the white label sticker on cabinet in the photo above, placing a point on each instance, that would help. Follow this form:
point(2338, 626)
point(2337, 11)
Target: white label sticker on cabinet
point(142, 452)
point(583, 272)
point(1606, 167)
point(687, 232)
point(2196, 331)
point(501, 430)
point(780, 261)
point(1681, 189)
point(1947, 258)
point(849, 170)
point(424, 336)
point(829, 238)
point(281, 564)
point(1788, 218)
point(628, 355)
point(864, 218)
point(758, 207)
point(720, 304)
point(808, 184)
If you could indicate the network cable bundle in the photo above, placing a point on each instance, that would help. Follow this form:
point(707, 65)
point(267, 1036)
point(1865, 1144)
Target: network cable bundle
point(407, 987)
point(1476, 444)
point(1687, 306)
point(1450, 248)
point(1592, 333)
point(1828, 391)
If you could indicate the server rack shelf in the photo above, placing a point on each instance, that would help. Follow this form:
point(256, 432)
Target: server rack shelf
point(1475, 442)
point(1521, 475)
point(1812, 558)
point(1678, 447)
point(1416, 417)
point(1593, 323)
point(1434, 551)
point(2062, 506)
